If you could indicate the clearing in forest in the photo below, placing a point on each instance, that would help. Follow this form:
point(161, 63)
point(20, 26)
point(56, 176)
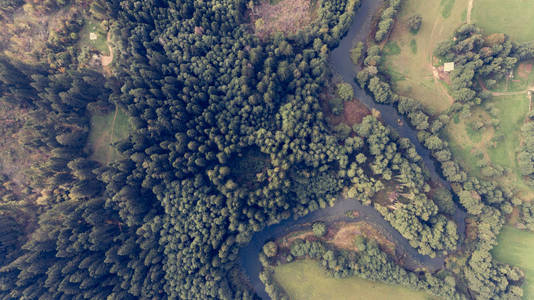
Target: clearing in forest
point(515, 247)
point(489, 138)
point(305, 279)
point(512, 17)
point(286, 16)
point(412, 66)
point(106, 129)
point(94, 28)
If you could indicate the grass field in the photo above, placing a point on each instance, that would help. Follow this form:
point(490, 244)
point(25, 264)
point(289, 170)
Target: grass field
point(470, 146)
point(513, 17)
point(512, 113)
point(515, 248)
point(305, 279)
point(412, 67)
point(106, 129)
point(98, 44)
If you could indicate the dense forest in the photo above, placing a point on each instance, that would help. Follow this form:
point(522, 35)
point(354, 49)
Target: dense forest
point(227, 136)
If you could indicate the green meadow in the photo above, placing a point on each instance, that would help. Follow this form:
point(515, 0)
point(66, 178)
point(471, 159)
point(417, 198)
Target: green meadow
point(306, 280)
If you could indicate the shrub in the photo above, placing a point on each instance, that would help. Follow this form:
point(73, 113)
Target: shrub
point(414, 23)
point(319, 229)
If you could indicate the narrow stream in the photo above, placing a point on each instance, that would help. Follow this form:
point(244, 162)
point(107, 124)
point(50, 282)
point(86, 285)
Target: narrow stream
point(342, 65)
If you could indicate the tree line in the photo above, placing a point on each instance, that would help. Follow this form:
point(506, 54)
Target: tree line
point(369, 262)
point(486, 201)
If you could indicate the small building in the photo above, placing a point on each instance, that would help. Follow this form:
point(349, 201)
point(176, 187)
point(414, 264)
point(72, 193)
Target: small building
point(448, 67)
point(92, 36)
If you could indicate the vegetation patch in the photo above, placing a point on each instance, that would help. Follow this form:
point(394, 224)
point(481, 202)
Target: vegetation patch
point(106, 129)
point(392, 48)
point(413, 46)
point(446, 8)
point(93, 37)
point(515, 247)
point(246, 166)
point(487, 140)
point(356, 53)
point(305, 279)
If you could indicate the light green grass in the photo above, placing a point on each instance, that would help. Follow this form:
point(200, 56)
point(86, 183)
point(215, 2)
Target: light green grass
point(305, 279)
point(474, 135)
point(515, 247)
point(98, 44)
point(513, 17)
point(104, 132)
point(512, 111)
point(413, 46)
point(416, 66)
point(392, 48)
point(446, 8)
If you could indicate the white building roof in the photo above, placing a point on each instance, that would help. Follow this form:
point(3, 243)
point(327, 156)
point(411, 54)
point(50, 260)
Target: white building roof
point(448, 66)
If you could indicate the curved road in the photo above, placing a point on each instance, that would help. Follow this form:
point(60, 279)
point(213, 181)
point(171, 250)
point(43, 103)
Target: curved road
point(342, 65)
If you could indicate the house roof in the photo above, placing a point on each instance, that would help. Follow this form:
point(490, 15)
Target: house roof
point(448, 66)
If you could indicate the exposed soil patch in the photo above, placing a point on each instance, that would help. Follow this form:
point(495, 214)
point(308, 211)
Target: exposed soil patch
point(469, 9)
point(342, 235)
point(15, 158)
point(25, 35)
point(287, 16)
point(107, 60)
point(524, 70)
point(354, 112)
point(442, 75)
point(347, 232)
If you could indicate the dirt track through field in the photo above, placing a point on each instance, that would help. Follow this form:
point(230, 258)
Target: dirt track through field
point(111, 134)
point(107, 60)
point(469, 8)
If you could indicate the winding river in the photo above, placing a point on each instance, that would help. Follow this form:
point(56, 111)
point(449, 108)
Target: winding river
point(342, 65)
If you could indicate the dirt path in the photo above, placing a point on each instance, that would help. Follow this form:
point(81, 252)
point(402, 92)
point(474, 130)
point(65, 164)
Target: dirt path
point(111, 134)
point(107, 60)
point(508, 93)
point(431, 60)
point(445, 92)
point(469, 8)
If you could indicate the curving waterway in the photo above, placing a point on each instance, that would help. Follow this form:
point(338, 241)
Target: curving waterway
point(342, 65)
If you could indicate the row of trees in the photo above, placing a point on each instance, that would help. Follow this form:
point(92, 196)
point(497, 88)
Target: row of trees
point(485, 201)
point(525, 158)
point(394, 161)
point(387, 19)
point(369, 262)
